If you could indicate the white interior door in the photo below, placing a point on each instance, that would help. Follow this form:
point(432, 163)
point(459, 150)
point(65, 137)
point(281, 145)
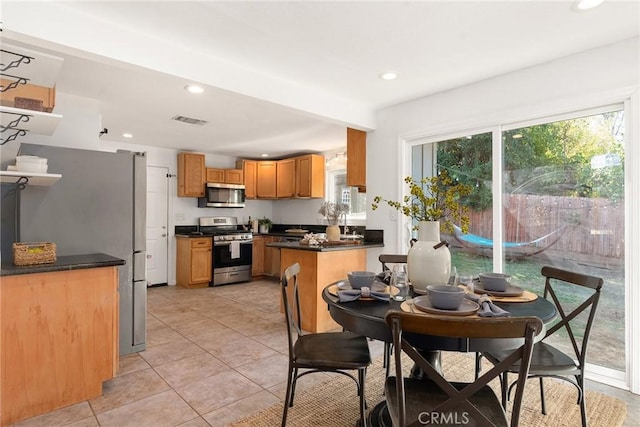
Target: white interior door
point(157, 220)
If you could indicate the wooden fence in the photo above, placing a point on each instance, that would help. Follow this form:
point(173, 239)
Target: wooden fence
point(589, 226)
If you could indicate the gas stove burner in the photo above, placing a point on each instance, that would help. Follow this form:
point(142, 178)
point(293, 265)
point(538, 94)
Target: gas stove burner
point(233, 236)
point(223, 228)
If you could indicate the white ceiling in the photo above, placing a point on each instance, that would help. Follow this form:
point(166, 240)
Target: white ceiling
point(288, 77)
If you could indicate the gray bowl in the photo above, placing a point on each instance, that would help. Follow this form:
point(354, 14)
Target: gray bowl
point(495, 281)
point(358, 279)
point(445, 297)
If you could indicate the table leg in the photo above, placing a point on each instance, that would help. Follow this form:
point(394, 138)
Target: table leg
point(433, 357)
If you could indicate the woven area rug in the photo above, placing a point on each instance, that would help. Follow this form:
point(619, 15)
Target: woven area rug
point(334, 403)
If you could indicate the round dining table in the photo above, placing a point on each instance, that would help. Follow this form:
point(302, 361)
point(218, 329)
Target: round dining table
point(366, 317)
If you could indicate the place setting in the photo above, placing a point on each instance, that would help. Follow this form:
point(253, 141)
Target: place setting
point(498, 287)
point(362, 285)
point(465, 296)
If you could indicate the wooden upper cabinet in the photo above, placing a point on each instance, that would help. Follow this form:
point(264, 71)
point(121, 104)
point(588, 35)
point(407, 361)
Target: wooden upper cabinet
point(191, 175)
point(215, 175)
point(310, 176)
point(233, 176)
point(266, 180)
point(249, 171)
point(227, 176)
point(301, 176)
point(286, 178)
point(357, 159)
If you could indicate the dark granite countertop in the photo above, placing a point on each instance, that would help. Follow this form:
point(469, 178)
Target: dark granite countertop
point(63, 263)
point(298, 246)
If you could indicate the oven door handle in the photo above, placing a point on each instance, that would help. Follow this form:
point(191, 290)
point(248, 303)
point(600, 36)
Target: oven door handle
point(227, 243)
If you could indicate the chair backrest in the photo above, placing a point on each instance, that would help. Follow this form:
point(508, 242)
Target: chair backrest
point(403, 325)
point(391, 259)
point(555, 276)
point(291, 303)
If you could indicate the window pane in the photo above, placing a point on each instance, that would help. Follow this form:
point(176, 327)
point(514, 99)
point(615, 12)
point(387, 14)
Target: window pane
point(563, 195)
point(468, 160)
point(340, 192)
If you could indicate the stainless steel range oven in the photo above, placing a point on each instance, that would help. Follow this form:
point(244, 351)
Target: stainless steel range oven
point(232, 250)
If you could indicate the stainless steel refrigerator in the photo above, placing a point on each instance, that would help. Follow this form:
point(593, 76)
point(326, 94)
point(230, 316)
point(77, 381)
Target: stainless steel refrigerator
point(99, 205)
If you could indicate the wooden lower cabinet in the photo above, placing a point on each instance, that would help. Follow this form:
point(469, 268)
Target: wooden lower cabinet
point(59, 339)
point(266, 260)
point(318, 270)
point(194, 264)
point(257, 264)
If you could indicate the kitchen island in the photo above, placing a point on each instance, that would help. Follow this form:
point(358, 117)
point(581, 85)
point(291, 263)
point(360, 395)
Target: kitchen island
point(59, 333)
point(320, 266)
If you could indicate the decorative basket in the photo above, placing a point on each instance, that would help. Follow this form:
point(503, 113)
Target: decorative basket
point(34, 253)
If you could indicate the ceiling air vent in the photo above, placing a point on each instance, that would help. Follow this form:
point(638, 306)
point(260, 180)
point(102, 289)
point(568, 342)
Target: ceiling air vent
point(189, 120)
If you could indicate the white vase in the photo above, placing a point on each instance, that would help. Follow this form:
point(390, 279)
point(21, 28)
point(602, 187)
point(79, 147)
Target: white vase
point(333, 233)
point(426, 265)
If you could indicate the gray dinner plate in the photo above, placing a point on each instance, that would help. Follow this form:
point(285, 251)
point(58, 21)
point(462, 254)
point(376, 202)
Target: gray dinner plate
point(511, 291)
point(467, 308)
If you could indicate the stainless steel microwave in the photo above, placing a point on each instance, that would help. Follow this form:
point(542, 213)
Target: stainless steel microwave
point(222, 196)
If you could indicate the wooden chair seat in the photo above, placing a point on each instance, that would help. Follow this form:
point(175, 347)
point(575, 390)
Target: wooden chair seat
point(545, 359)
point(331, 350)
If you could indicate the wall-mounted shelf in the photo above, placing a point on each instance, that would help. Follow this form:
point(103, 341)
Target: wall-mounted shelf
point(20, 66)
point(38, 179)
point(14, 120)
point(33, 67)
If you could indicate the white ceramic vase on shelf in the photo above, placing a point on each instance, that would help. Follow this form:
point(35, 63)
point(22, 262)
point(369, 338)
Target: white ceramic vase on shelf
point(426, 265)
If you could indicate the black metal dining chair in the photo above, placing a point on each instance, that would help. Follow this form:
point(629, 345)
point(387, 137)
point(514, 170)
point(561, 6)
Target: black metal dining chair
point(548, 360)
point(385, 260)
point(338, 352)
point(434, 400)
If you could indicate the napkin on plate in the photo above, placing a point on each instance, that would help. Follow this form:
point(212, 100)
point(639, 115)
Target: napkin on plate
point(487, 307)
point(354, 294)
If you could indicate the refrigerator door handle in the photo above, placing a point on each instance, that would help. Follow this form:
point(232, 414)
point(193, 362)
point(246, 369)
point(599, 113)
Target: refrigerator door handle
point(139, 266)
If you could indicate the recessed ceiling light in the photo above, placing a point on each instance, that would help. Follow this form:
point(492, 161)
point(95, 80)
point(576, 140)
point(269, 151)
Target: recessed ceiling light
point(587, 4)
point(194, 89)
point(127, 135)
point(389, 75)
point(264, 155)
point(517, 136)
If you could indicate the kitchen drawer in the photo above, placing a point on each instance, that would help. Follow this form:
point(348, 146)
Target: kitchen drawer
point(201, 243)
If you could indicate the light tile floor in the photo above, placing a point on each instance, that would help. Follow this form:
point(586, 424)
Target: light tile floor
point(214, 355)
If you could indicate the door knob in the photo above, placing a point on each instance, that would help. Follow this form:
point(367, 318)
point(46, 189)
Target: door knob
point(164, 235)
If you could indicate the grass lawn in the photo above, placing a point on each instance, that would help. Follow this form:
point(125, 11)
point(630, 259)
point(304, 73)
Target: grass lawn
point(607, 341)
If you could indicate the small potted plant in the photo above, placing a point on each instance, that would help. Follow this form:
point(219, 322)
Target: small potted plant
point(265, 225)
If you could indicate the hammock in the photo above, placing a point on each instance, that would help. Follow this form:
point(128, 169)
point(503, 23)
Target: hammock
point(512, 249)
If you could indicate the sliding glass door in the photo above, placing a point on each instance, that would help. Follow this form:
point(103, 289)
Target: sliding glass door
point(546, 192)
point(563, 205)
